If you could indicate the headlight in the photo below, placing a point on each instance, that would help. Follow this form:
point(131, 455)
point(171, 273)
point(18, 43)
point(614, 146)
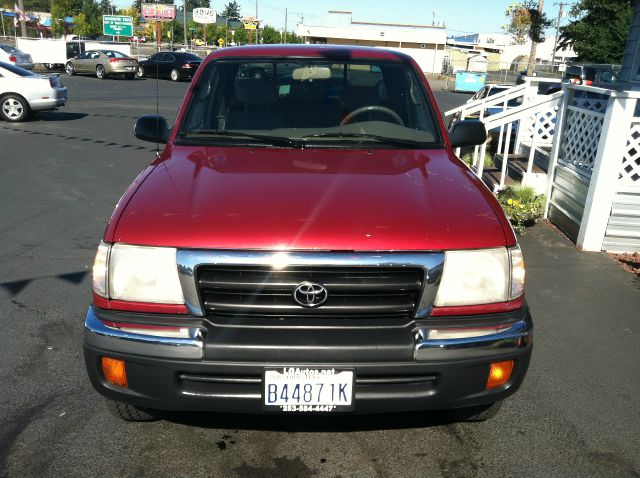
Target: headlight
point(137, 274)
point(481, 277)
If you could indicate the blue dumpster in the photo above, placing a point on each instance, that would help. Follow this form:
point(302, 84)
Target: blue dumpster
point(469, 81)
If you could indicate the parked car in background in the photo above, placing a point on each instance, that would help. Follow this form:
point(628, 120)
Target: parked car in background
point(11, 54)
point(308, 242)
point(103, 63)
point(138, 39)
point(175, 65)
point(23, 91)
point(590, 74)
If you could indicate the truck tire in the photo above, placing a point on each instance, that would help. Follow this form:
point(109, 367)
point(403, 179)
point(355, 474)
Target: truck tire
point(478, 413)
point(14, 108)
point(130, 413)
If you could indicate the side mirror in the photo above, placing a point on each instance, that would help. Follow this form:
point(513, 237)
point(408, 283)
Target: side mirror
point(468, 133)
point(153, 128)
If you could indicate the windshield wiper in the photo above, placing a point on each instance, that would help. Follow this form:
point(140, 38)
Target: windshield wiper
point(382, 139)
point(273, 140)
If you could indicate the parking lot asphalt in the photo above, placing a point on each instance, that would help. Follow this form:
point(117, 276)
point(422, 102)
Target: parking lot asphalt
point(62, 173)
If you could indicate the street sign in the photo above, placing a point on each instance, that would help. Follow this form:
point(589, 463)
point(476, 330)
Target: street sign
point(117, 25)
point(204, 15)
point(220, 41)
point(158, 11)
point(250, 24)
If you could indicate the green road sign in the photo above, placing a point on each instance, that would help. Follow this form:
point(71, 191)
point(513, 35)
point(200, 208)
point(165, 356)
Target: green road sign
point(117, 25)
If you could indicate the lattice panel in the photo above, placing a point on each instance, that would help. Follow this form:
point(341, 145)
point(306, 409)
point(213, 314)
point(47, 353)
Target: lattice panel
point(545, 122)
point(630, 171)
point(595, 102)
point(580, 140)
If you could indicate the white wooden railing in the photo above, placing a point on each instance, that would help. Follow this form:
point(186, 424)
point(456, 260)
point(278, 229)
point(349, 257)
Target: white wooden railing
point(532, 122)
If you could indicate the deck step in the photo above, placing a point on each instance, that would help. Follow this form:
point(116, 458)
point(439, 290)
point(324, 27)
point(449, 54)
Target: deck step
point(491, 177)
point(516, 166)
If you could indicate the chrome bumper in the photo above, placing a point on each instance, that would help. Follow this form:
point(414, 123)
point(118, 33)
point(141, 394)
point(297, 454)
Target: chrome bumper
point(99, 335)
point(516, 336)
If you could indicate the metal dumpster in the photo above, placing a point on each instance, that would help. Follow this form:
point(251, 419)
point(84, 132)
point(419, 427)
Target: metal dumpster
point(469, 81)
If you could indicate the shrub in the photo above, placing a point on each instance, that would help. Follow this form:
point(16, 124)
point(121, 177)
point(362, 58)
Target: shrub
point(467, 158)
point(521, 205)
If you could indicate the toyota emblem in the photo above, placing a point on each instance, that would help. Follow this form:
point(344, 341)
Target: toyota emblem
point(310, 294)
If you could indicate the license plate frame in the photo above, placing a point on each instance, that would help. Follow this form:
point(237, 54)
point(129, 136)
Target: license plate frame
point(314, 376)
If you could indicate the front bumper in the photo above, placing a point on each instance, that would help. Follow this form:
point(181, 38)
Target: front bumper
point(218, 366)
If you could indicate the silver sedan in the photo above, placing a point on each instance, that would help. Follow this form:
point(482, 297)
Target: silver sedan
point(22, 91)
point(103, 63)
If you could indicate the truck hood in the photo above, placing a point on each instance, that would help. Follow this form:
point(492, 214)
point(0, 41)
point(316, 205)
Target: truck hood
point(309, 199)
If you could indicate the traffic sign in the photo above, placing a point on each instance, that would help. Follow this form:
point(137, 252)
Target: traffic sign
point(117, 25)
point(204, 15)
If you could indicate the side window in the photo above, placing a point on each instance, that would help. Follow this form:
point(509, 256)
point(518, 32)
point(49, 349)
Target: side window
point(94, 55)
point(608, 76)
point(168, 57)
point(155, 57)
point(590, 74)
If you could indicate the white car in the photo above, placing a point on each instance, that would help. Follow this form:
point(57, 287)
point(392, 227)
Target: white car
point(10, 54)
point(22, 91)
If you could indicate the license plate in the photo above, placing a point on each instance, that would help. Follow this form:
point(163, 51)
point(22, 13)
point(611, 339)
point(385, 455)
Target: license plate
point(129, 68)
point(295, 389)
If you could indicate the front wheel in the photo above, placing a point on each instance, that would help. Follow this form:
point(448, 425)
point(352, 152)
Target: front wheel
point(140, 72)
point(130, 413)
point(14, 108)
point(101, 72)
point(70, 69)
point(175, 75)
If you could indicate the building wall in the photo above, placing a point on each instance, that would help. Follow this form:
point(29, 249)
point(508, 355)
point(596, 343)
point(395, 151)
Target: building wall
point(629, 62)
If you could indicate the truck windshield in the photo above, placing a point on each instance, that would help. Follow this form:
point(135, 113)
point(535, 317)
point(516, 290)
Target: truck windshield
point(310, 102)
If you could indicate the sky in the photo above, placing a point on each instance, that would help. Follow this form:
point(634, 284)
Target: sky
point(459, 16)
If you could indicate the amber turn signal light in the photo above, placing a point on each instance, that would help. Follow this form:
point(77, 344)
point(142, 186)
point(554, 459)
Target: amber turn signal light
point(499, 373)
point(114, 371)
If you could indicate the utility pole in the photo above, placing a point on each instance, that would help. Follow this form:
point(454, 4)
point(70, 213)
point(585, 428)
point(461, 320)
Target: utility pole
point(532, 53)
point(258, 23)
point(184, 24)
point(285, 24)
point(23, 25)
point(555, 43)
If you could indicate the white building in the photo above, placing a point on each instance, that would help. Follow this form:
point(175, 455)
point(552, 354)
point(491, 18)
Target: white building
point(511, 52)
point(425, 43)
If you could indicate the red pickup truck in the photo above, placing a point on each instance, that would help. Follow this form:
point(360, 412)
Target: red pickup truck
point(307, 242)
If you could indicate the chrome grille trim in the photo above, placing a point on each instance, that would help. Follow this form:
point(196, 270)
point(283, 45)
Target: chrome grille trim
point(189, 259)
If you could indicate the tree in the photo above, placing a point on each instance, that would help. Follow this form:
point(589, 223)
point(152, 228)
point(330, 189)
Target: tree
point(132, 12)
point(600, 29)
point(270, 35)
point(88, 22)
point(191, 4)
point(106, 7)
point(35, 5)
point(62, 9)
point(231, 9)
point(526, 22)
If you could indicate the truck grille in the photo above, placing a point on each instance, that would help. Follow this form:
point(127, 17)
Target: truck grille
point(352, 291)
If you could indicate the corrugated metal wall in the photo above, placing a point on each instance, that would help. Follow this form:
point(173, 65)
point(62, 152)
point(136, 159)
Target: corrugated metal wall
point(623, 229)
point(568, 197)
